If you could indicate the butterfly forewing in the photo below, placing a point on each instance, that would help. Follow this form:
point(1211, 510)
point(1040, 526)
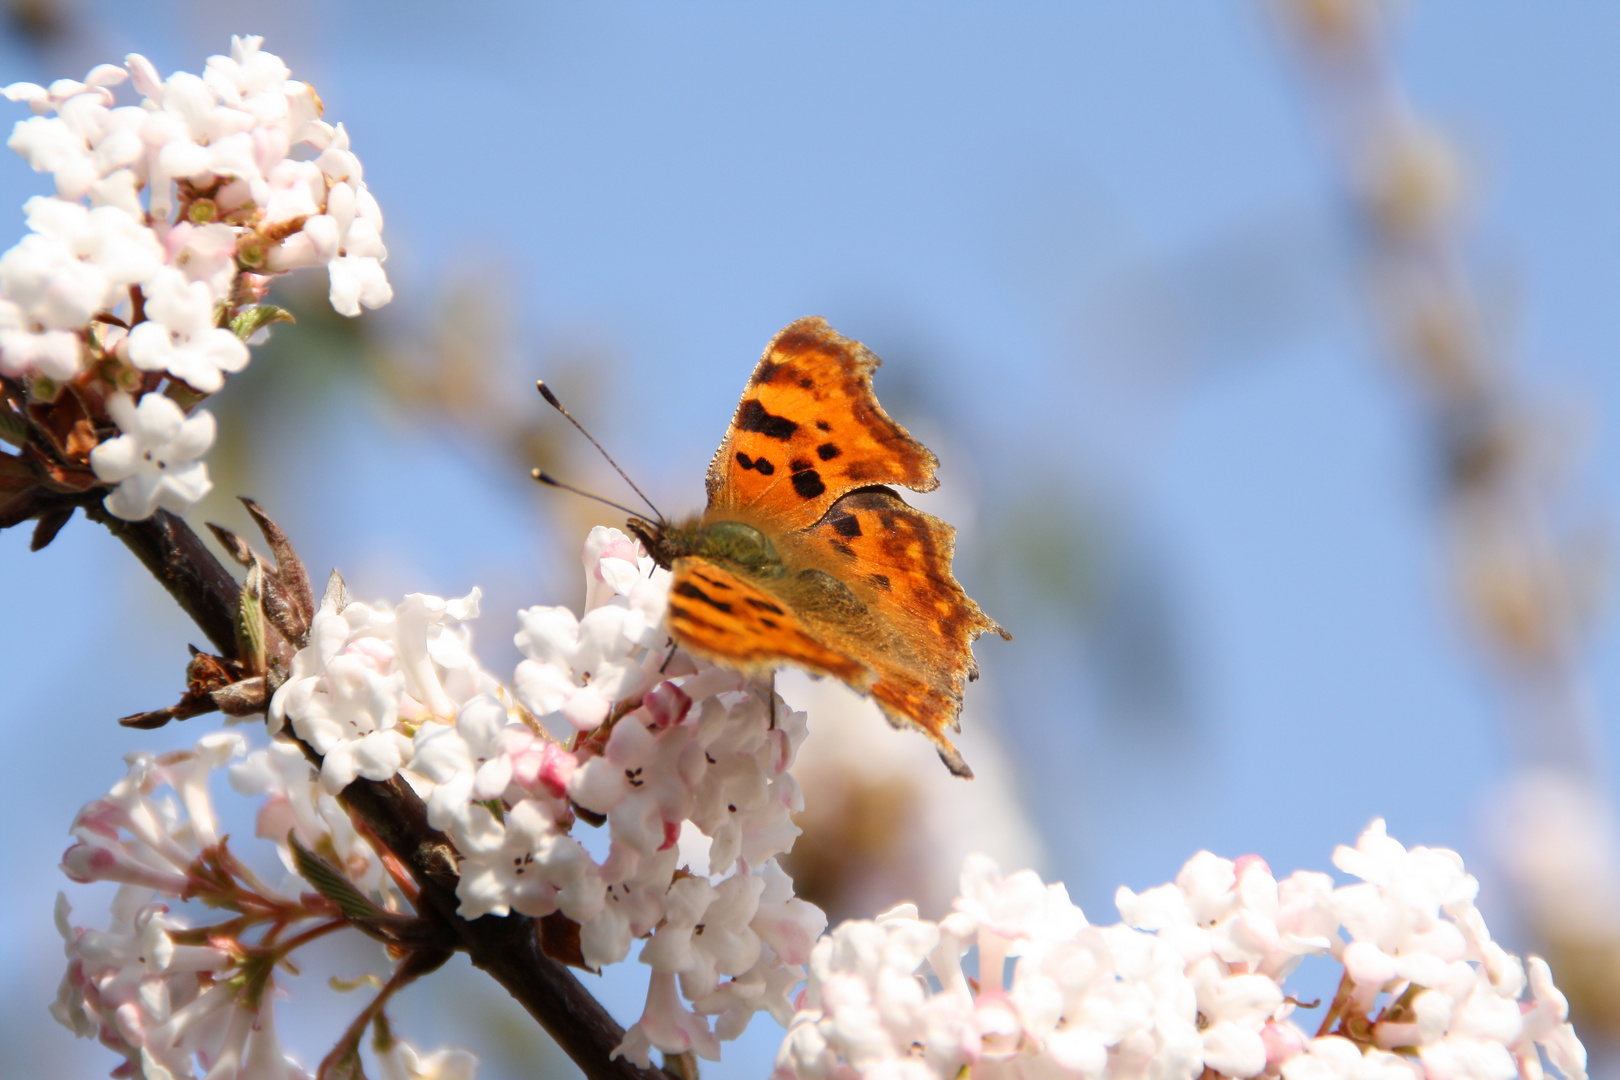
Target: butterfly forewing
point(809, 429)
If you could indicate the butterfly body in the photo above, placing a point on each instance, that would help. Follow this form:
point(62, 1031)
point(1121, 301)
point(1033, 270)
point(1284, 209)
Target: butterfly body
point(805, 556)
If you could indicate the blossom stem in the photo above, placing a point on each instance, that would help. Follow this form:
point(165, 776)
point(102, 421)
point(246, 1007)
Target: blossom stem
point(414, 965)
point(299, 940)
point(1346, 988)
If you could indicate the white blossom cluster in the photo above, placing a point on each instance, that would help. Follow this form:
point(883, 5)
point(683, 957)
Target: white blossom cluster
point(1191, 982)
point(688, 763)
point(241, 179)
point(176, 1002)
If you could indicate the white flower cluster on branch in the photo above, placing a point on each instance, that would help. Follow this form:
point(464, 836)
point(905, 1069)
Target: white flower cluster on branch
point(165, 995)
point(109, 295)
point(685, 769)
point(684, 765)
point(686, 762)
point(1192, 982)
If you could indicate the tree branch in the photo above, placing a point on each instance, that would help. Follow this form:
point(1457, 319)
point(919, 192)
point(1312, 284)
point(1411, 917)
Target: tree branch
point(507, 948)
point(180, 561)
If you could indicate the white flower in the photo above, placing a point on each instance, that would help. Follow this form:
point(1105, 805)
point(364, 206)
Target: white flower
point(343, 233)
point(578, 667)
point(76, 262)
point(179, 335)
point(525, 863)
point(1197, 989)
point(366, 669)
point(25, 349)
point(155, 461)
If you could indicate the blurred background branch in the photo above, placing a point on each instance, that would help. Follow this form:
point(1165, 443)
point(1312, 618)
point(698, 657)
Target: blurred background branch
point(1528, 549)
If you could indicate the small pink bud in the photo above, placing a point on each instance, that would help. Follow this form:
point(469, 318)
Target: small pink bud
point(1283, 1043)
point(666, 705)
point(1243, 863)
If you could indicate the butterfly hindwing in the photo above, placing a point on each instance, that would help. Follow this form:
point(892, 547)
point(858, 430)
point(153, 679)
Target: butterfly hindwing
point(725, 617)
point(809, 429)
point(899, 559)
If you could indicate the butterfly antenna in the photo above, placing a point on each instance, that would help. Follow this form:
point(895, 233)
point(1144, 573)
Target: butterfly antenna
point(551, 399)
point(551, 481)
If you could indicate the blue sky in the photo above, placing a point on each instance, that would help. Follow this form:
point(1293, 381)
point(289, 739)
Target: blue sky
point(1101, 250)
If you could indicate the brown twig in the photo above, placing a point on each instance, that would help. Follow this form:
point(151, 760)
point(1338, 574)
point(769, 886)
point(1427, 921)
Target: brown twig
point(506, 948)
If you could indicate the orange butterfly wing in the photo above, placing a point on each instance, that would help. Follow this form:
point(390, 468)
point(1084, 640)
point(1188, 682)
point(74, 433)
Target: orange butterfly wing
point(721, 616)
point(898, 561)
point(809, 429)
point(867, 593)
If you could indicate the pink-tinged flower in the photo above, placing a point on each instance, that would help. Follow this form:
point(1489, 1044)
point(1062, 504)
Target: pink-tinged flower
point(789, 925)
point(765, 987)
point(642, 780)
point(540, 766)
point(130, 837)
point(123, 983)
point(205, 255)
point(579, 667)
point(25, 349)
point(43, 100)
point(667, 1024)
point(1184, 995)
point(468, 762)
point(228, 1036)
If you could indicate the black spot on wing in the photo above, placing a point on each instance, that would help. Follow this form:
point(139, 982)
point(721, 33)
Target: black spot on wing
point(764, 605)
point(808, 484)
point(822, 425)
point(763, 467)
point(687, 589)
point(807, 384)
point(766, 372)
point(799, 464)
point(752, 416)
point(880, 580)
point(827, 451)
point(744, 460)
point(846, 525)
point(843, 549)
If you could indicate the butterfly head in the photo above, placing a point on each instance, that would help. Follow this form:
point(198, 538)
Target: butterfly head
point(734, 543)
point(662, 540)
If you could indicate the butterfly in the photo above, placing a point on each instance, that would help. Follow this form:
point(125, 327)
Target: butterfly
point(805, 555)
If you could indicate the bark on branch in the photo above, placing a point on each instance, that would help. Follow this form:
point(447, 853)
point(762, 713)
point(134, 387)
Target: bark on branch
point(507, 948)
